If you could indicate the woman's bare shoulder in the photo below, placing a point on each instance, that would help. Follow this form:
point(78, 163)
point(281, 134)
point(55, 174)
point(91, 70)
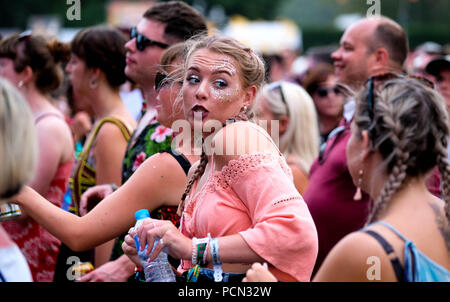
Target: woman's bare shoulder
point(238, 139)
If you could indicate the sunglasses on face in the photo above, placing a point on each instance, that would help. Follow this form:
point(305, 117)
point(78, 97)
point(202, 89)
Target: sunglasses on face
point(375, 81)
point(160, 80)
point(26, 35)
point(163, 80)
point(324, 91)
point(142, 41)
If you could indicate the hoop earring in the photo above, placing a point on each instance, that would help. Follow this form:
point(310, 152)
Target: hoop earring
point(93, 83)
point(358, 193)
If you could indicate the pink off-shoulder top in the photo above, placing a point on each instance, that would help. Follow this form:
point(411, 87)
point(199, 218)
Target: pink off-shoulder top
point(254, 196)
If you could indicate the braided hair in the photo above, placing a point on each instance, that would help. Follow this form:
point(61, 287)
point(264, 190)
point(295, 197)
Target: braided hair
point(409, 127)
point(251, 70)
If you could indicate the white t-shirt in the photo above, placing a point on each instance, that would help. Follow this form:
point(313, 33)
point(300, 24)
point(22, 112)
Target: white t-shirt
point(13, 266)
point(133, 100)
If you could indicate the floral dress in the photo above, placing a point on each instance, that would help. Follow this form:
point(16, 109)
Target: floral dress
point(39, 247)
point(153, 139)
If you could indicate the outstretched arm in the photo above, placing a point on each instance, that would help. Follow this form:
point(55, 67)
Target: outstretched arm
point(159, 181)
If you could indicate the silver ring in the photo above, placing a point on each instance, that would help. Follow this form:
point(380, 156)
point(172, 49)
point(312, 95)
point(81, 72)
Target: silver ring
point(154, 225)
point(161, 241)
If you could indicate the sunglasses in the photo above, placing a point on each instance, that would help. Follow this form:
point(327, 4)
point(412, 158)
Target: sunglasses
point(160, 80)
point(375, 81)
point(26, 35)
point(142, 41)
point(277, 86)
point(323, 92)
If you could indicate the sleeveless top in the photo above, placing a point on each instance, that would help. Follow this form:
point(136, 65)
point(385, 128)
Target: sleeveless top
point(161, 213)
point(153, 139)
point(418, 267)
point(83, 176)
point(39, 247)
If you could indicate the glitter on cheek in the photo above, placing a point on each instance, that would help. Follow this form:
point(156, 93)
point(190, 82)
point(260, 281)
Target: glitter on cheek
point(225, 95)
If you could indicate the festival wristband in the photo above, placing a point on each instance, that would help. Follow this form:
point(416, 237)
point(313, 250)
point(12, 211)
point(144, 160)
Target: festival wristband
point(205, 254)
point(198, 250)
point(216, 260)
point(194, 251)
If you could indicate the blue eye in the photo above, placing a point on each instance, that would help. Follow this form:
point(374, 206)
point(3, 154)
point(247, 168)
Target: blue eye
point(192, 79)
point(221, 83)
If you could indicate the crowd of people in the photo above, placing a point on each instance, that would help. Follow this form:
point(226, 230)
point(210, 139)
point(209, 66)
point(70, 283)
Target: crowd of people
point(290, 179)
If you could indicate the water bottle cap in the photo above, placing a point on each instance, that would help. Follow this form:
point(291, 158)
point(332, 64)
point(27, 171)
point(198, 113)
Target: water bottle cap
point(142, 214)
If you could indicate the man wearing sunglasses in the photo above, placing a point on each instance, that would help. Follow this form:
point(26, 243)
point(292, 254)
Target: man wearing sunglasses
point(368, 47)
point(163, 25)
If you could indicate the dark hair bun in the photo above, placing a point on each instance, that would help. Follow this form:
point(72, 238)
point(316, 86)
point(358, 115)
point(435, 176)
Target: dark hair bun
point(59, 50)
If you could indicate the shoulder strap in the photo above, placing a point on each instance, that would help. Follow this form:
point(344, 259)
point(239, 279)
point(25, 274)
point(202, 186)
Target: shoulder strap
point(46, 114)
point(399, 272)
point(390, 227)
point(119, 123)
point(181, 159)
point(123, 126)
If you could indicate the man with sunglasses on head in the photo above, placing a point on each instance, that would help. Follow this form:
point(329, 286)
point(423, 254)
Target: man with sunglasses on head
point(162, 25)
point(370, 46)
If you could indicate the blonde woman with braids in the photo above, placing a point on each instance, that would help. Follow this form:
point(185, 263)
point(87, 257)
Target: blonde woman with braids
point(242, 206)
point(298, 132)
point(399, 135)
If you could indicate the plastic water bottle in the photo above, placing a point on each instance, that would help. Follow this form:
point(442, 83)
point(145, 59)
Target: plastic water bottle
point(159, 270)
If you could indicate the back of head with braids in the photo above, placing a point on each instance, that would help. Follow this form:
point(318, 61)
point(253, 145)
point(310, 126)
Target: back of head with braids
point(251, 71)
point(410, 129)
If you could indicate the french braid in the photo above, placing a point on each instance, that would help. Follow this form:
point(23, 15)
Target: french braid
point(388, 119)
point(197, 174)
point(251, 71)
point(410, 129)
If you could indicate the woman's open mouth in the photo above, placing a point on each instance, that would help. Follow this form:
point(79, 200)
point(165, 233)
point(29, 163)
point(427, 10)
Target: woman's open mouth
point(199, 112)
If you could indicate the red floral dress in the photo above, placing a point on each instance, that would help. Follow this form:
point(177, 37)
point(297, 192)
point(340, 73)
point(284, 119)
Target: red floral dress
point(39, 247)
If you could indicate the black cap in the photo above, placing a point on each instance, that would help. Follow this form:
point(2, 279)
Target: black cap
point(438, 64)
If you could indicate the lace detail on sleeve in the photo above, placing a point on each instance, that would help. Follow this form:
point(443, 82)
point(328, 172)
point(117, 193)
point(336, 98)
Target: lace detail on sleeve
point(286, 200)
point(236, 168)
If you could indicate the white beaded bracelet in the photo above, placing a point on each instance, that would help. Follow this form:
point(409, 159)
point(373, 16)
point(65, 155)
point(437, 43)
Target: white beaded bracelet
point(194, 251)
point(216, 260)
